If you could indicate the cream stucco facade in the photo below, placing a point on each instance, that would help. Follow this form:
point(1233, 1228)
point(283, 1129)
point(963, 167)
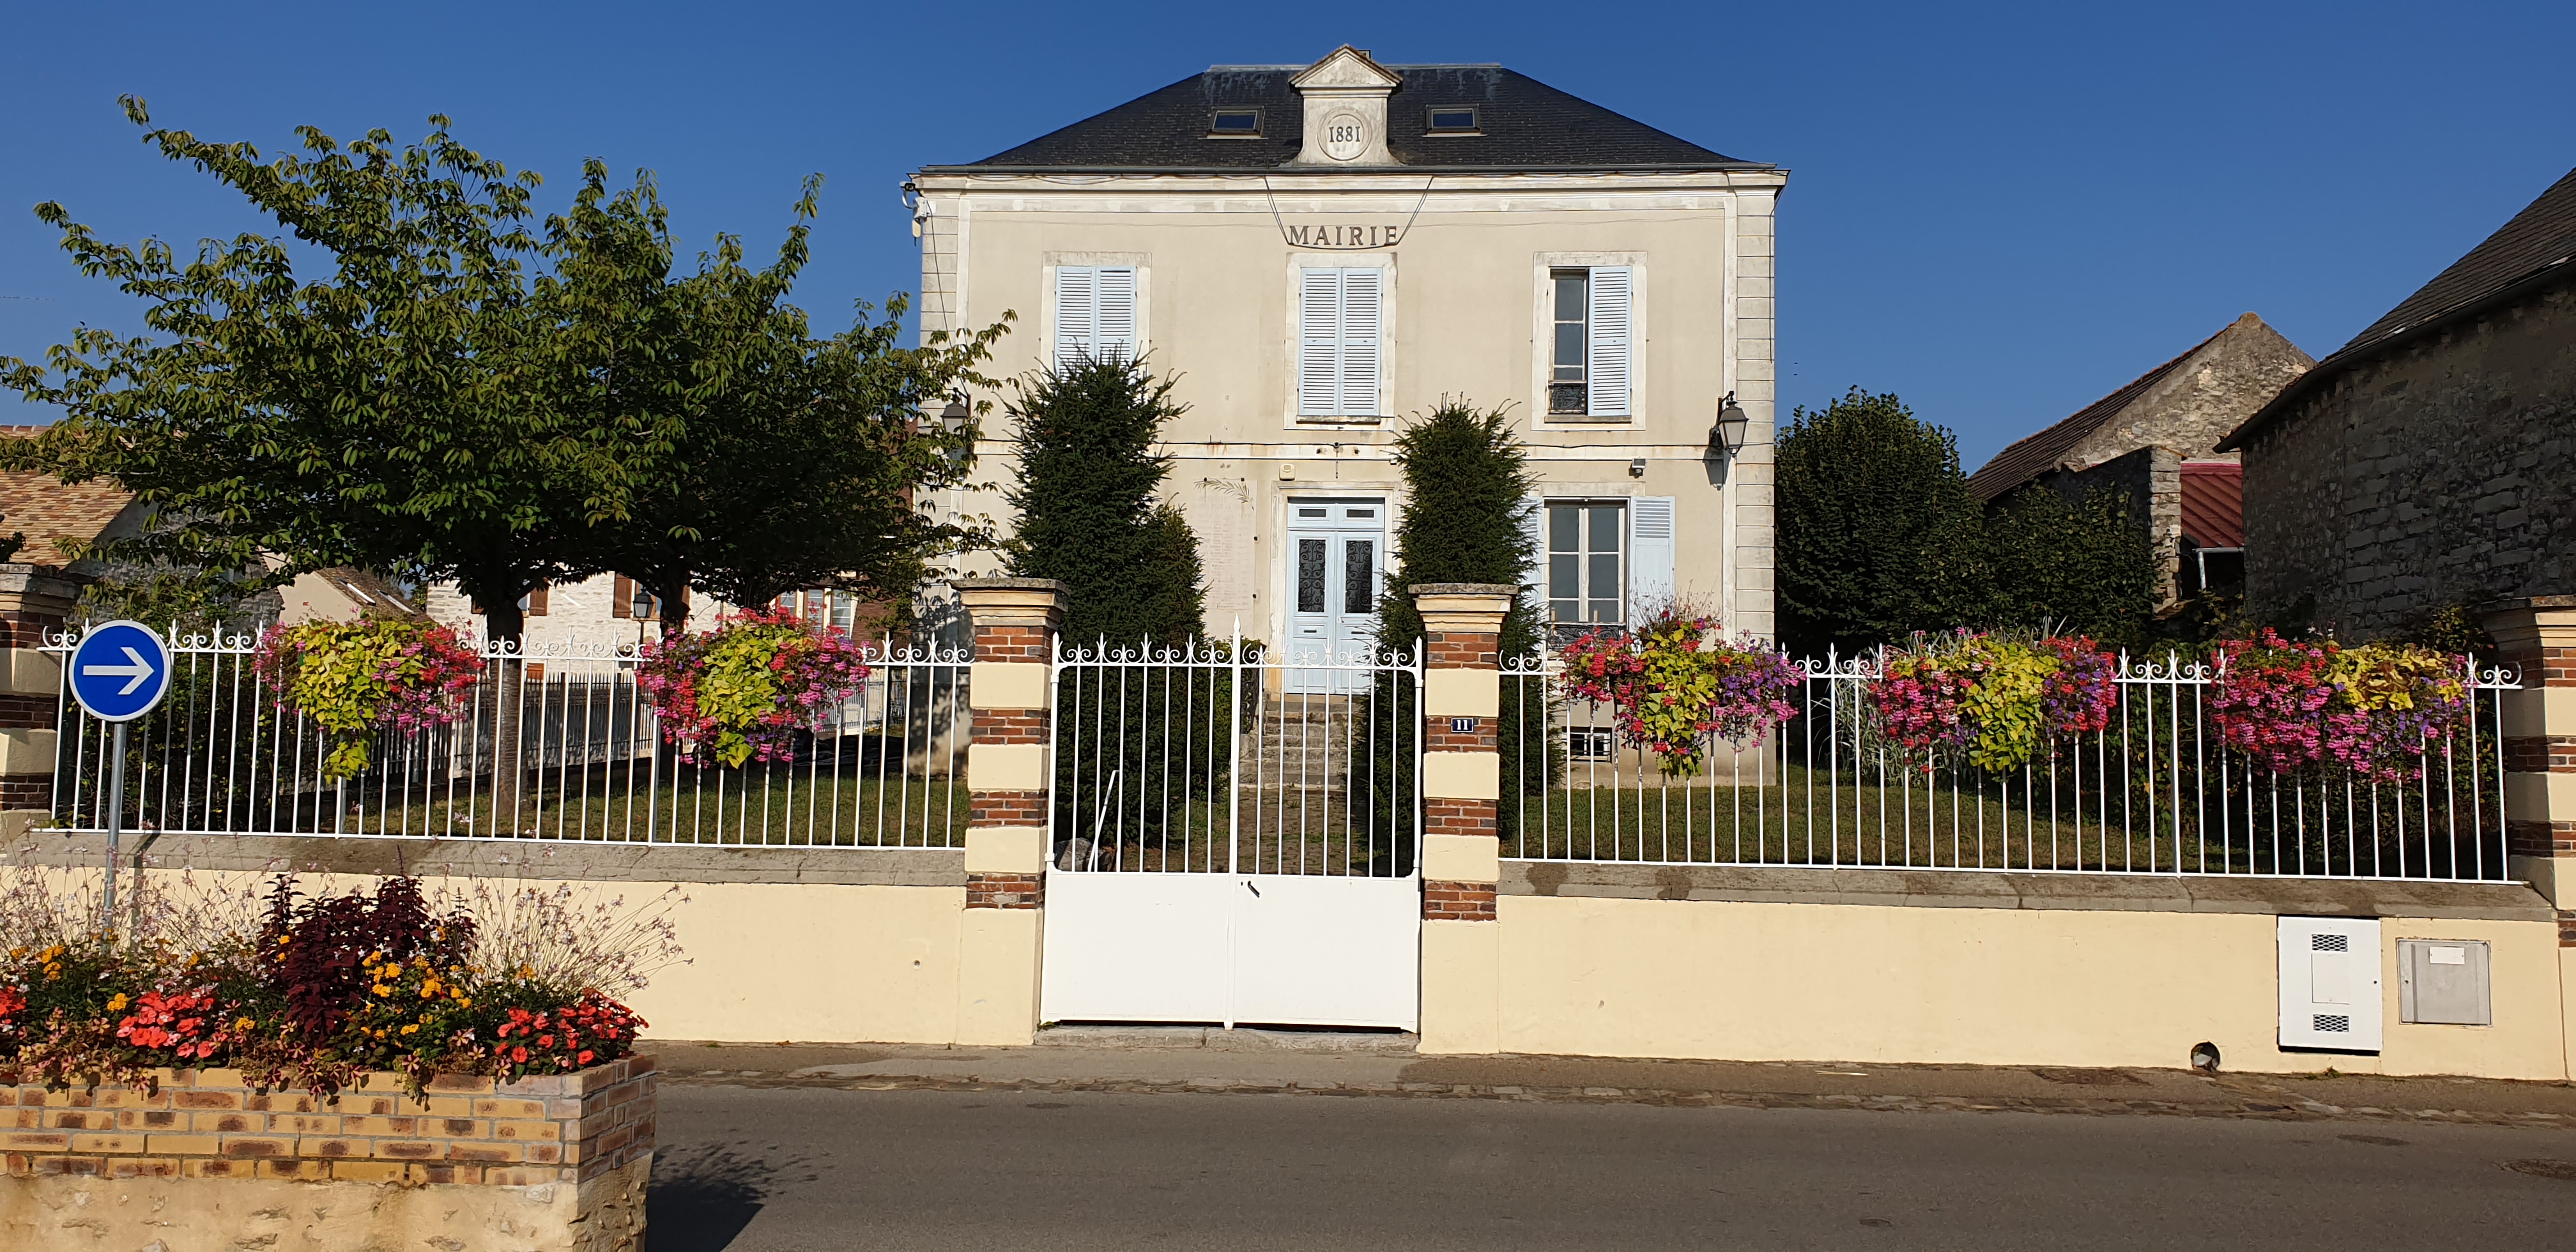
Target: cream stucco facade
point(1464, 262)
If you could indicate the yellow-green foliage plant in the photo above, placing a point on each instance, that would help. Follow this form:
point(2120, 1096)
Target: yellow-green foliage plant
point(353, 679)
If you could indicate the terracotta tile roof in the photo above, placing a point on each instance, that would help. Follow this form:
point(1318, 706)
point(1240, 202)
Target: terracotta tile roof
point(49, 512)
point(2035, 454)
point(2213, 503)
point(2533, 249)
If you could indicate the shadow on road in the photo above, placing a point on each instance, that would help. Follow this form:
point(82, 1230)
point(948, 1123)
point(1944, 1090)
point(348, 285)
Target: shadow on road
point(703, 1196)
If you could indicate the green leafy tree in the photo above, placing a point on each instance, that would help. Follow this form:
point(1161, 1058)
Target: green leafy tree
point(402, 410)
point(800, 458)
point(2085, 565)
point(1085, 499)
point(1878, 536)
point(1467, 494)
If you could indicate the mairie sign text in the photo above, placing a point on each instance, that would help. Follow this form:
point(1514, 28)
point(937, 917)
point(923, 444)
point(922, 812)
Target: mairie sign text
point(1343, 235)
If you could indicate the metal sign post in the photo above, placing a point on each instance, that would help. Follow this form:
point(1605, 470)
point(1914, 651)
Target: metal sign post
point(119, 672)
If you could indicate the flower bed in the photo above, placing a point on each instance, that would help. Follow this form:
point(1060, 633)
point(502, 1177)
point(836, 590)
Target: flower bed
point(310, 992)
point(1671, 686)
point(356, 678)
point(2299, 706)
point(1992, 700)
point(749, 688)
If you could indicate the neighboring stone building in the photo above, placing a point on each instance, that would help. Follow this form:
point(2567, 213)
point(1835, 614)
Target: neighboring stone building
point(2430, 462)
point(2157, 438)
point(1318, 251)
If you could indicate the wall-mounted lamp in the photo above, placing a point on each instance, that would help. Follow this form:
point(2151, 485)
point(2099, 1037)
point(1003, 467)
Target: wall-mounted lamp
point(1637, 468)
point(953, 419)
point(1726, 438)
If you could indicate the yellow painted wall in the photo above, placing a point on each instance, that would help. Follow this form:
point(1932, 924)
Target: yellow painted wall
point(1760, 981)
point(777, 962)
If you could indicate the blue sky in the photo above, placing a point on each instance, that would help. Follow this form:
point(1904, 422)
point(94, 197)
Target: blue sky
point(1998, 212)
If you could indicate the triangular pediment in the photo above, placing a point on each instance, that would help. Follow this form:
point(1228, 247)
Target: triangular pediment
point(1346, 66)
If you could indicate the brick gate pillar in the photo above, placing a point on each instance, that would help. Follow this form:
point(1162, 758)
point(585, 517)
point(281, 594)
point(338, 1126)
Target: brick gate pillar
point(2538, 635)
point(1011, 687)
point(1462, 775)
point(34, 600)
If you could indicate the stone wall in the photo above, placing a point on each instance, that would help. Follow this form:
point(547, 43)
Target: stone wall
point(2191, 409)
point(553, 1162)
point(2152, 477)
point(2435, 475)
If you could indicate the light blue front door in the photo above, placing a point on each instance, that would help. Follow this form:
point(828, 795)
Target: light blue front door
point(1336, 563)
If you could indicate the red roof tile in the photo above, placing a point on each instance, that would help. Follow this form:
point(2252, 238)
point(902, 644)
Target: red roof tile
point(2213, 503)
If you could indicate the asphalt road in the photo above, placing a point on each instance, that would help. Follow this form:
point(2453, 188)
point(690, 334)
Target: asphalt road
point(786, 1170)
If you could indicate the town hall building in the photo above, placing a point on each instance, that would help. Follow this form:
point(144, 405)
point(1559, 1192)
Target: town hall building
point(1319, 252)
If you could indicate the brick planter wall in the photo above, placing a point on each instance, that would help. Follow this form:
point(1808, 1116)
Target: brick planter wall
point(552, 1162)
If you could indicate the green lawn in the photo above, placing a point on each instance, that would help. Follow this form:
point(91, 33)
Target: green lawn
point(755, 806)
point(1809, 820)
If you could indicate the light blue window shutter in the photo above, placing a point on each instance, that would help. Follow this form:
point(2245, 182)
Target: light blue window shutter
point(1607, 368)
point(1319, 342)
point(1650, 554)
point(1077, 299)
point(1114, 314)
point(1360, 322)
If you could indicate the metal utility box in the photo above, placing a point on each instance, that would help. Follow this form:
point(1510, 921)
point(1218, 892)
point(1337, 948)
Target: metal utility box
point(2444, 982)
point(2330, 986)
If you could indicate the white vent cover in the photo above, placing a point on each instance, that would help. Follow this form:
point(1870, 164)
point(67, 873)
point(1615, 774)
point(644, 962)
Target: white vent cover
point(2330, 988)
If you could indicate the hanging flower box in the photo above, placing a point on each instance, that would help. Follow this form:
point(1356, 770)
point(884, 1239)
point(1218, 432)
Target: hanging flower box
point(2304, 705)
point(1993, 700)
point(1672, 685)
point(355, 679)
point(749, 688)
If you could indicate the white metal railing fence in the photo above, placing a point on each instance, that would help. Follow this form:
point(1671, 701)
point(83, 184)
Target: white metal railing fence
point(554, 743)
point(2154, 792)
point(1227, 756)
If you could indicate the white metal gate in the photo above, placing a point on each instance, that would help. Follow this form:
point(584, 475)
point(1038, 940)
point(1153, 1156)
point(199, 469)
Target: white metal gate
point(1228, 849)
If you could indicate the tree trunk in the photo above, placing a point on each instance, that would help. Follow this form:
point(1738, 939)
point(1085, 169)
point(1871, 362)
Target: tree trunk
point(675, 609)
point(503, 623)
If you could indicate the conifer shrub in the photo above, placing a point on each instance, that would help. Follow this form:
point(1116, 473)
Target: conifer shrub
point(1468, 490)
point(1086, 494)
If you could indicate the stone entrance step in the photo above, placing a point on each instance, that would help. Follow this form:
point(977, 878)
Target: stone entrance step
point(1219, 1039)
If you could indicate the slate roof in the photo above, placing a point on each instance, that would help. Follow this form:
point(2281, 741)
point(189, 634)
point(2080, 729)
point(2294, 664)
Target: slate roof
point(2532, 250)
point(1524, 123)
point(2035, 454)
point(2213, 503)
point(376, 597)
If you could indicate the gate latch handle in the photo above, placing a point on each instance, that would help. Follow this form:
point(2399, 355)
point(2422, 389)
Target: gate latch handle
point(1247, 885)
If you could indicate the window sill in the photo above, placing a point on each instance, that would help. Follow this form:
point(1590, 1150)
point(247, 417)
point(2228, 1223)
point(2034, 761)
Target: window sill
point(1303, 420)
point(1586, 419)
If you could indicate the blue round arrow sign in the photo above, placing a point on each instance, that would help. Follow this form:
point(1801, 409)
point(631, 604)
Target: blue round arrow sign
point(120, 670)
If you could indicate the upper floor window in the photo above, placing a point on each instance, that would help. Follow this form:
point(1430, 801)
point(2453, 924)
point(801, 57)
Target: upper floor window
point(1588, 356)
point(1095, 313)
point(1452, 121)
point(1339, 328)
point(1235, 124)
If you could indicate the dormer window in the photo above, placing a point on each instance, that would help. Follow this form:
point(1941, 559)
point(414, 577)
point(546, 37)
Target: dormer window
point(1235, 124)
point(1453, 121)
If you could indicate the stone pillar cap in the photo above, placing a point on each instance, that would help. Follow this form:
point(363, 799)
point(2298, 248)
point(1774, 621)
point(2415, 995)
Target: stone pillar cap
point(1463, 608)
point(1505, 590)
point(1003, 583)
point(1014, 601)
